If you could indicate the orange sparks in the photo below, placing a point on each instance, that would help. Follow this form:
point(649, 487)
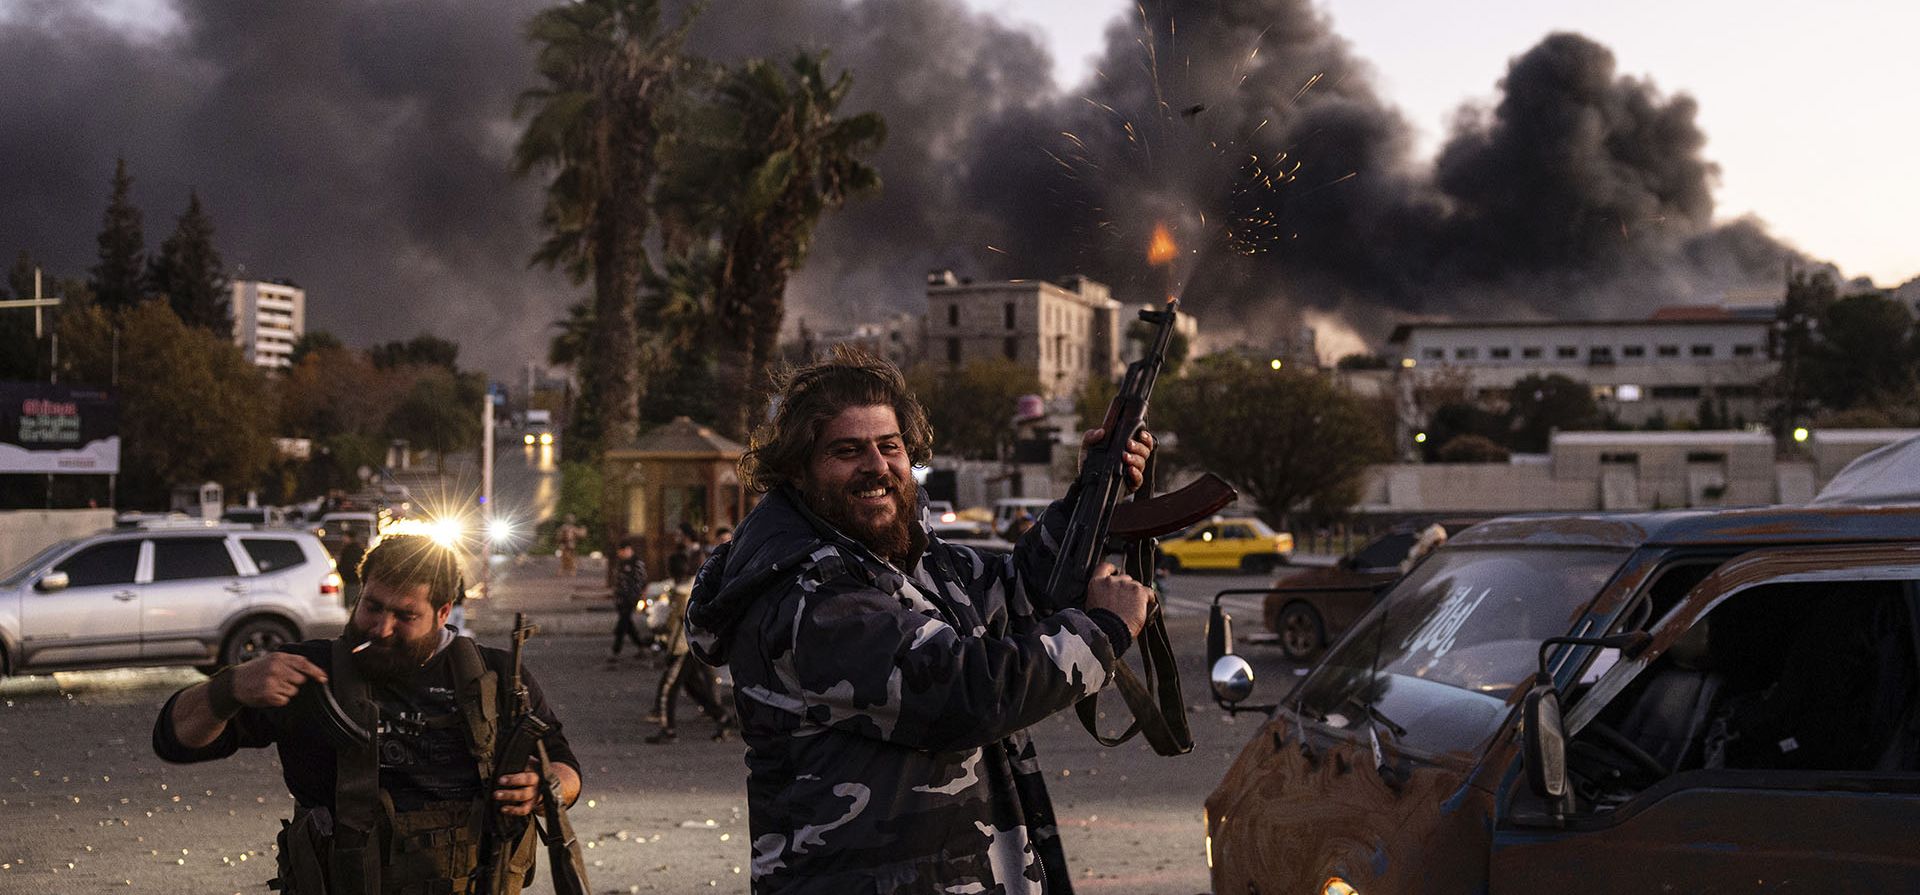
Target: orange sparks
point(1162, 249)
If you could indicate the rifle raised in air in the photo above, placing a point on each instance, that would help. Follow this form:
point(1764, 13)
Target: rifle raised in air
point(1099, 518)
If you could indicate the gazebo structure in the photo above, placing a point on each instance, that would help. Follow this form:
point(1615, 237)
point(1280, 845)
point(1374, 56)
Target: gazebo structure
point(678, 473)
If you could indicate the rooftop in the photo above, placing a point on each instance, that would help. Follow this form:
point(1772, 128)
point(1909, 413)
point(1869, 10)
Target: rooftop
point(1403, 331)
point(682, 438)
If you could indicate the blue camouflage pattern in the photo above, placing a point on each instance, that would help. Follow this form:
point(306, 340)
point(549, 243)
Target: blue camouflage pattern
point(884, 709)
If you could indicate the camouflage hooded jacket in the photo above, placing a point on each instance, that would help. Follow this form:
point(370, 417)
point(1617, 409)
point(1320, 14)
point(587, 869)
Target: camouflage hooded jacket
point(884, 708)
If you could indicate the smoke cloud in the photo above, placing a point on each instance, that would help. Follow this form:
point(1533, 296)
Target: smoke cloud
point(361, 150)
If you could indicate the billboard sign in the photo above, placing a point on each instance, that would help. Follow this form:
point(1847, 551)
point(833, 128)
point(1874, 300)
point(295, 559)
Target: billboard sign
point(58, 429)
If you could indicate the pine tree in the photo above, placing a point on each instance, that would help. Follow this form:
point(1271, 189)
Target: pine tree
point(117, 278)
point(188, 272)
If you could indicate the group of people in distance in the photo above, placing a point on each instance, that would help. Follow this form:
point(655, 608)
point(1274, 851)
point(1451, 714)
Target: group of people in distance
point(678, 674)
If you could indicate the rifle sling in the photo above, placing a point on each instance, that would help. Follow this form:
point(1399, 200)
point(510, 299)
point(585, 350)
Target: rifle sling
point(355, 859)
point(1159, 712)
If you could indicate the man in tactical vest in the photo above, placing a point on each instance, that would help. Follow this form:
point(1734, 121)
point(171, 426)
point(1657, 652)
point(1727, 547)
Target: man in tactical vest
point(415, 808)
point(884, 679)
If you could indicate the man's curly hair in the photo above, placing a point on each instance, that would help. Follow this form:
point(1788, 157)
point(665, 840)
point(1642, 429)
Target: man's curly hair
point(811, 395)
point(404, 562)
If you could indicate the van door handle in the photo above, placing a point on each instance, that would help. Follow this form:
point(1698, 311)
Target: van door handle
point(126, 596)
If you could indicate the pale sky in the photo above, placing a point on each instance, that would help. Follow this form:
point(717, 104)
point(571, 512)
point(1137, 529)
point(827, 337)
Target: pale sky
point(1808, 107)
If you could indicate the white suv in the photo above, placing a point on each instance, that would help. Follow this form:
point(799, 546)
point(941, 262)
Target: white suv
point(167, 593)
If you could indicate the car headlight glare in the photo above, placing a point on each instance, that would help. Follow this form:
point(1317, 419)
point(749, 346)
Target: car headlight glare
point(1338, 886)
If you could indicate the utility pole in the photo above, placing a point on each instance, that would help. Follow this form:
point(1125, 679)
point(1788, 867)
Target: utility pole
point(486, 492)
point(38, 303)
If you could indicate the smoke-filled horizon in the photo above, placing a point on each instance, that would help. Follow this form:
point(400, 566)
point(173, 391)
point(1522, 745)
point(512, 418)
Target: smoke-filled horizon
point(361, 150)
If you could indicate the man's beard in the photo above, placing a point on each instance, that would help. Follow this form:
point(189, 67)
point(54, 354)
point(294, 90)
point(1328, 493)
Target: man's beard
point(891, 540)
point(391, 659)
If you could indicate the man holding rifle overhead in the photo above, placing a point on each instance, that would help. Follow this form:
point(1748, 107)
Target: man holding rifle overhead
point(884, 679)
point(391, 739)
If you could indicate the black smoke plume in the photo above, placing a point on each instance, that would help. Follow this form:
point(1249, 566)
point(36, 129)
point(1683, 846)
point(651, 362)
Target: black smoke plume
point(1254, 129)
point(361, 150)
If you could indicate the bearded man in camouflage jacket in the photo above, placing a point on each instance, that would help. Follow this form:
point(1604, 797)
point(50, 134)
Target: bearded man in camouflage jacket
point(884, 679)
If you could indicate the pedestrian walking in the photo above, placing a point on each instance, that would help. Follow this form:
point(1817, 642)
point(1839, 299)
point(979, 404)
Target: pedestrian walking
point(566, 542)
point(411, 810)
point(892, 676)
point(352, 551)
point(683, 671)
point(629, 587)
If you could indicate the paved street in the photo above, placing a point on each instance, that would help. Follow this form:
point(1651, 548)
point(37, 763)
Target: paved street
point(87, 808)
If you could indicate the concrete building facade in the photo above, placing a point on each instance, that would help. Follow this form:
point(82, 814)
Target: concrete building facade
point(898, 338)
point(268, 317)
point(1639, 370)
point(1065, 332)
point(1590, 471)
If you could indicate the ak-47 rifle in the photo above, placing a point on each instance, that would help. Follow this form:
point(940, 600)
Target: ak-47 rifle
point(1099, 516)
point(525, 740)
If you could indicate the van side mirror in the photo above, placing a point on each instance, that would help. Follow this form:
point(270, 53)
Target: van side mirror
point(52, 582)
point(1232, 679)
point(1545, 742)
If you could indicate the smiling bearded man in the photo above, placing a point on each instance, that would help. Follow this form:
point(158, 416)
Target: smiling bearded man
point(884, 679)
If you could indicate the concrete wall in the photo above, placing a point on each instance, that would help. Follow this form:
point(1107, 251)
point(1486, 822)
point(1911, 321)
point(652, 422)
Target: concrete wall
point(1472, 488)
point(1588, 471)
point(25, 532)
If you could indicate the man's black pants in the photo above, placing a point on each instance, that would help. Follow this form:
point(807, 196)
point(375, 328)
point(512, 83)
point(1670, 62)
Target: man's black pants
point(624, 629)
point(684, 672)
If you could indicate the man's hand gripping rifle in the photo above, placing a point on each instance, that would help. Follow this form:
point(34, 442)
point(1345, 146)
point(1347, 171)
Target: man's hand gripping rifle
point(524, 742)
point(1099, 515)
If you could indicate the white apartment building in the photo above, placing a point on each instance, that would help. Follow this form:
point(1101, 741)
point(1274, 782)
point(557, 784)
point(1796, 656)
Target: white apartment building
point(1067, 332)
point(1639, 369)
point(268, 317)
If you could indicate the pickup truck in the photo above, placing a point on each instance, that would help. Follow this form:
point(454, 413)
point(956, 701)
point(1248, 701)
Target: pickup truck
point(1682, 701)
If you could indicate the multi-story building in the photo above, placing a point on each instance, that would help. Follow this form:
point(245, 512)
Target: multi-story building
point(1663, 367)
point(897, 338)
point(268, 317)
point(1066, 332)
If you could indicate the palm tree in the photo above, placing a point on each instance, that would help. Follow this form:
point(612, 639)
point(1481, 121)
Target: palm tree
point(609, 73)
point(767, 162)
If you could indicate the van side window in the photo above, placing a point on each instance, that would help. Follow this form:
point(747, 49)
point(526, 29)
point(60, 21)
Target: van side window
point(1670, 586)
point(1814, 676)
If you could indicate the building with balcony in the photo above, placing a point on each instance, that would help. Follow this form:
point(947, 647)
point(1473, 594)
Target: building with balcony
point(268, 317)
point(1662, 367)
point(1066, 332)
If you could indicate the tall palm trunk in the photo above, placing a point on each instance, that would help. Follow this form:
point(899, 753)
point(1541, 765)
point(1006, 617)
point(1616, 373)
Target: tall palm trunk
point(735, 315)
point(619, 258)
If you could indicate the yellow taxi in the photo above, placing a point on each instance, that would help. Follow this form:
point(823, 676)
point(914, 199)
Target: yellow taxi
point(1240, 542)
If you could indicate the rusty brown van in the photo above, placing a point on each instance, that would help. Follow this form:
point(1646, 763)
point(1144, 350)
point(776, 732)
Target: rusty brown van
point(1682, 701)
